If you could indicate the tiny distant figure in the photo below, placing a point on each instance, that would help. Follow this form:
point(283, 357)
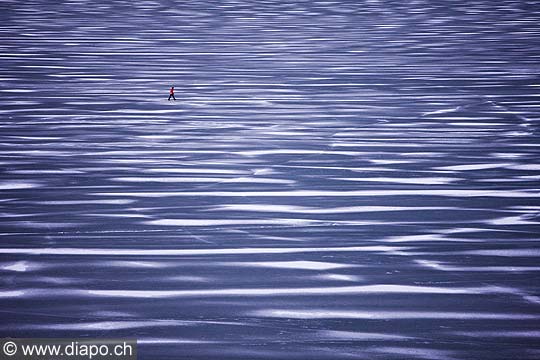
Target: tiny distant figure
point(171, 94)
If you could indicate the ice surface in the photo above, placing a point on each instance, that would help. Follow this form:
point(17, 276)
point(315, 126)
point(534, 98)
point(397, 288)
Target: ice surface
point(336, 179)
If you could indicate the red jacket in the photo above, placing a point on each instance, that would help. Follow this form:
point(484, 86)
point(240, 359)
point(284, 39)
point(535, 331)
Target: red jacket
point(171, 91)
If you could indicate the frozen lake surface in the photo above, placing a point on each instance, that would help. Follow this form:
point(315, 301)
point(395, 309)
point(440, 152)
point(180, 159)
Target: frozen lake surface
point(337, 179)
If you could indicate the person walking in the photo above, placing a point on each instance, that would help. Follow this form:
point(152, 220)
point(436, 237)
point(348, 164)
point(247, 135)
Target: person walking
point(171, 94)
